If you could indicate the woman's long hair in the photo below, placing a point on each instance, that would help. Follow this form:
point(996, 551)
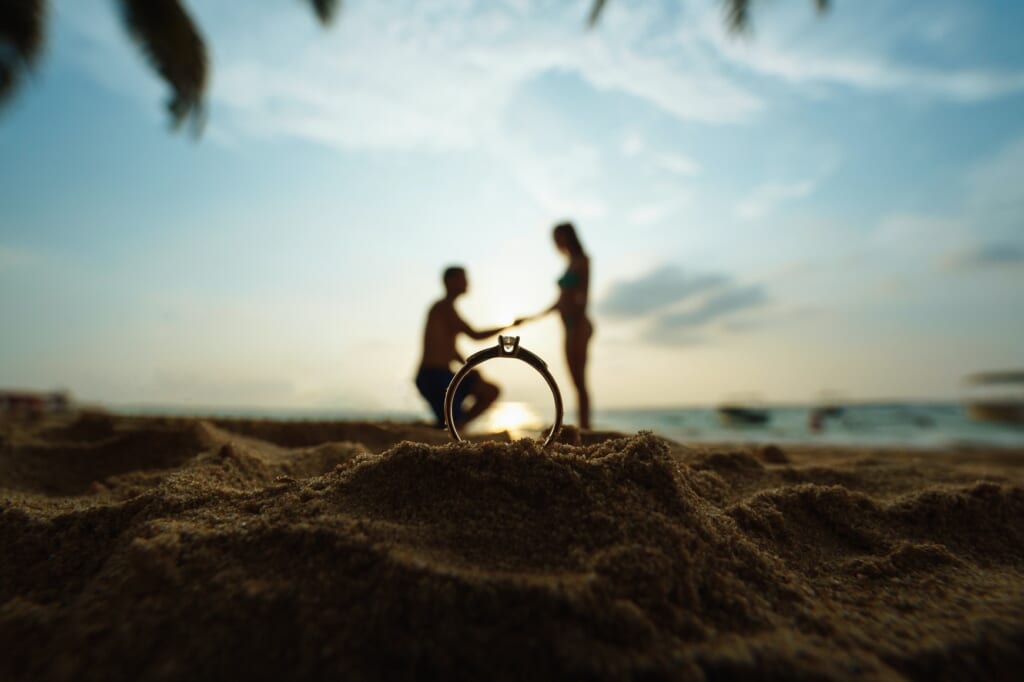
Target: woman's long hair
point(567, 233)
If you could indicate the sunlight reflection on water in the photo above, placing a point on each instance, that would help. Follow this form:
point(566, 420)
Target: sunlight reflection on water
point(519, 419)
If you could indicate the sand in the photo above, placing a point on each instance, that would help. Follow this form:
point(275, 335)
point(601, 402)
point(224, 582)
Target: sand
point(162, 549)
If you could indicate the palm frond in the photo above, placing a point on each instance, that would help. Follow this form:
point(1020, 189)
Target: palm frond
point(737, 15)
point(595, 13)
point(21, 41)
point(172, 44)
point(325, 9)
point(737, 12)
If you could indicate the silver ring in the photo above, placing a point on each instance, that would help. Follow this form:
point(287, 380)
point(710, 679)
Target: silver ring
point(508, 347)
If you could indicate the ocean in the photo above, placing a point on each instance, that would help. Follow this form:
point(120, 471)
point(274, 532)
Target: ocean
point(890, 424)
point(884, 424)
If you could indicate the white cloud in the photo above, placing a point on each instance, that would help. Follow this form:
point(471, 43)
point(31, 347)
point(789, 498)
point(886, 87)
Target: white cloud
point(633, 143)
point(404, 74)
point(871, 74)
point(853, 50)
point(677, 164)
point(767, 197)
point(654, 212)
point(560, 181)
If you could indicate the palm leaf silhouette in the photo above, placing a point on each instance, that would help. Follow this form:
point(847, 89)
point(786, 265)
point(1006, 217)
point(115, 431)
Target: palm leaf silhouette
point(325, 9)
point(737, 12)
point(21, 41)
point(595, 13)
point(163, 29)
point(172, 44)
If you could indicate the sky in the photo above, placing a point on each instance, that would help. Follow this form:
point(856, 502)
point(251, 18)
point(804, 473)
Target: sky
point(824, 205)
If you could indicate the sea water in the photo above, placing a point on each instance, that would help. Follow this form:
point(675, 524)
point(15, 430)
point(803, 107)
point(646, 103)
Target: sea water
point(881, 424)
point(884, 424)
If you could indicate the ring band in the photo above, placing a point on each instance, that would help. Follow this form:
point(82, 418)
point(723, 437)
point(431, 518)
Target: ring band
point(508, 347)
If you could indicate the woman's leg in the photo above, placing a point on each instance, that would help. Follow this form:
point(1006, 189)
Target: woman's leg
point(576, 343)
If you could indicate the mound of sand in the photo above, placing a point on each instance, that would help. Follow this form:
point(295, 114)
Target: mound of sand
point(171, 549)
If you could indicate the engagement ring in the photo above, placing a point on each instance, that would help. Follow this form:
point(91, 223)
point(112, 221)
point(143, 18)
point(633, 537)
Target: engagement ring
point(508, 347)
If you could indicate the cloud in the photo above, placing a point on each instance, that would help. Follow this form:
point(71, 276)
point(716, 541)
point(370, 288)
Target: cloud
point(677, 308)
point(769, 196)
point(982, 231)
point(718, 305)
point(677, 164)
point(665, 286)
point(984, 256)
point(560, 181)
point(869, 74)
point(654, 212)
point(853, 53)
point(403, 74)
point(633, 143)
point(447, 76)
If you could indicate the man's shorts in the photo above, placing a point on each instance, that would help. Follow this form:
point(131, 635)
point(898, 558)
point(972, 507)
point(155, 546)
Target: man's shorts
point(432, 383)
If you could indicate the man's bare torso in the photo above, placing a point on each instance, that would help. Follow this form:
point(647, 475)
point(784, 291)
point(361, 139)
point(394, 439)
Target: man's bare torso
point(439, 336)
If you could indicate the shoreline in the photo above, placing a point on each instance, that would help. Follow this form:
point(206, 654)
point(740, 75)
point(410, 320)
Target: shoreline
point(920, 426)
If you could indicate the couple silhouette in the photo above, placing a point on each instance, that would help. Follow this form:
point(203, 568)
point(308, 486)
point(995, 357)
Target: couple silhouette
point(444, 325)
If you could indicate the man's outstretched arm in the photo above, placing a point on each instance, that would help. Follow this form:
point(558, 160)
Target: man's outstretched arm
point(476, 335)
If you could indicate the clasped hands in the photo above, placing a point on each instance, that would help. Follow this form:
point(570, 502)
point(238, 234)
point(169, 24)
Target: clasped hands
point(522, 320)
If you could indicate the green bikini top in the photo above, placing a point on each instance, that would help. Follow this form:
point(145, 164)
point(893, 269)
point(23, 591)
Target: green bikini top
point(570, 280)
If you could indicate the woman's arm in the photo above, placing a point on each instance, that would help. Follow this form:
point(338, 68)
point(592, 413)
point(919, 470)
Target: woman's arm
point(479, 335)
point(547, 311)
point(568, 296)
point(461, 327)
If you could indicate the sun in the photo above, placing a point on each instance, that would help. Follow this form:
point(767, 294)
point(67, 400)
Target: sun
point(515, 417)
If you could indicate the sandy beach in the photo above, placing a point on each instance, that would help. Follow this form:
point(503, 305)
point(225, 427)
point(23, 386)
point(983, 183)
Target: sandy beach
point(150, 548)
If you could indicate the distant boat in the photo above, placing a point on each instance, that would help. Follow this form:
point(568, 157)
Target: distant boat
point(817, 417)
point(17, 403)
point(997, 397)
point(741, 415)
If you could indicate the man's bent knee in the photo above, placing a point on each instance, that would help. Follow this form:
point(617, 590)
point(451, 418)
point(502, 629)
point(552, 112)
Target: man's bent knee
point(489, 392)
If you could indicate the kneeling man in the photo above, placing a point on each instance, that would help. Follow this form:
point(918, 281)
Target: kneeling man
point(435, 373)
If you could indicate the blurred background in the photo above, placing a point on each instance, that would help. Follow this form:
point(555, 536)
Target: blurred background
point(823, 209)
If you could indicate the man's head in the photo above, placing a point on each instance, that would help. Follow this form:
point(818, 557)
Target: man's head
point(455, 282)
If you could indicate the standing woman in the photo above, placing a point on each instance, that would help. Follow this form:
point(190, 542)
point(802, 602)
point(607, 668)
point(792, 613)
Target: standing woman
point(572, 306)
